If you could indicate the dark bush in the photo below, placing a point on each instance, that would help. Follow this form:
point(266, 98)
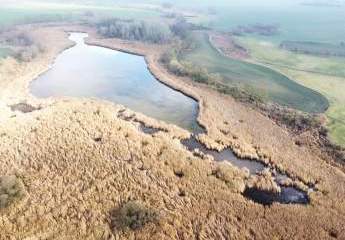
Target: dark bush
point(11, 189)
point(135, 215)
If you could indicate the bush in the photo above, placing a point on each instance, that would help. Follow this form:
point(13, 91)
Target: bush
point(135, 215)
point(11, 189)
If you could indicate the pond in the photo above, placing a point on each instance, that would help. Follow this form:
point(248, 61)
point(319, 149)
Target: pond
point(92, 71)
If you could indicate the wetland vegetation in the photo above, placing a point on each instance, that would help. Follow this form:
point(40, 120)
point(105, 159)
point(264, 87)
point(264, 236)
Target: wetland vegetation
point(225, 121)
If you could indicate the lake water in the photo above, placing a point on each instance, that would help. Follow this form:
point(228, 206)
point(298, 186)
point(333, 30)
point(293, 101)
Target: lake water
point(91, 71)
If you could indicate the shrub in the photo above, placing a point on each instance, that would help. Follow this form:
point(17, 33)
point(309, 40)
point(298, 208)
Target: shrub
point(136, 215)
point(11, 189)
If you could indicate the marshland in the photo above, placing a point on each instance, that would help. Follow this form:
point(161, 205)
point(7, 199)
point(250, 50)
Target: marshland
point(171, 120)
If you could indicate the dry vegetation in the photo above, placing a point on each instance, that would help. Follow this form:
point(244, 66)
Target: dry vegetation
point(81, 161)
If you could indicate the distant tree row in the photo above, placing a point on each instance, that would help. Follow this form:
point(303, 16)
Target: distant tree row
point(135, 30)
point(146, 31)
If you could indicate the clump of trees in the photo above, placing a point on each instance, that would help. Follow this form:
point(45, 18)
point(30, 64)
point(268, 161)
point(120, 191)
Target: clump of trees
point(181, 27)
point(134, 215)
point(135, 30)
point(11, 189)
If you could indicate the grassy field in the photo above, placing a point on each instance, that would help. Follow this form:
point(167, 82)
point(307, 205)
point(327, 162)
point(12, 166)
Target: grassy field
point(269, 84)
point(323, 74)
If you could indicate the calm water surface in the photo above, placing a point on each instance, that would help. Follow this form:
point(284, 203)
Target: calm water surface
point(91, 71)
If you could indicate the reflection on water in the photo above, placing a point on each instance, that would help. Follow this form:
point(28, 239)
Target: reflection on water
point(91, 71)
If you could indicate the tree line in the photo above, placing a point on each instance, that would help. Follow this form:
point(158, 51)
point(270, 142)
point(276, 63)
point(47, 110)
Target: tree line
point(135, 30)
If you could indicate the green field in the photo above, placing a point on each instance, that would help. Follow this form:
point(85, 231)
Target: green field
point(323, 74)
point(270, 84)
